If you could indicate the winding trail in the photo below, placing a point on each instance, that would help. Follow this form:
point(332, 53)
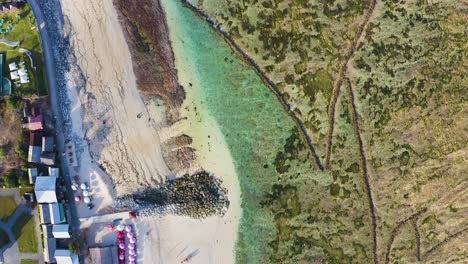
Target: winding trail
point(418, 239)
point(362, 154)
point(263, 76)
point(445, 241)
point(341, 76)
point(413, 218)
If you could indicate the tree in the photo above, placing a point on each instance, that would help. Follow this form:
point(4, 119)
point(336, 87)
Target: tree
point(23, 180)
point(10, 180)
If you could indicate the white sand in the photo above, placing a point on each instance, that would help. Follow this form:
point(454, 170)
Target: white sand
point(209, 240)
point(127, 146)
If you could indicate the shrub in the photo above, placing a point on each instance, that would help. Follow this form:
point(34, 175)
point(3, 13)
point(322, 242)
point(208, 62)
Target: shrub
point(10, 180)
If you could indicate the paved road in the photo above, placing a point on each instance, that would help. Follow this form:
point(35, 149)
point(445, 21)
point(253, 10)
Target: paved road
point(10, 43)
point(54, 101)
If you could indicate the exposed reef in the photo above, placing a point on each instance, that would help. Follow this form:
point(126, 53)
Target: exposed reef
point(146, 33)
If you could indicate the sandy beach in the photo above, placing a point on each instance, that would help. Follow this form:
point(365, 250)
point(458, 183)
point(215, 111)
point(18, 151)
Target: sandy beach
point(121, 144)
point(111, 114)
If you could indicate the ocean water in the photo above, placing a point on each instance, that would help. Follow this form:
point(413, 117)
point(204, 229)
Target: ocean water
point(247, 113)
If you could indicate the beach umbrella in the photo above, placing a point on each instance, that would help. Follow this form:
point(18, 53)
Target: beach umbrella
point(129, 235)
point(131, 246)
point(77, 198)
point(120, 240)
point(132, 258)
point(121, 251)
point(120, 227)
point(83, 186)
point(121, 257)
point(131, 262)
point(132, 252)
point(128, 228)
point(121, 245)
point(85, 193)
point(87, 200)
point(120, 235)
point(74, 188)
point(133, 240)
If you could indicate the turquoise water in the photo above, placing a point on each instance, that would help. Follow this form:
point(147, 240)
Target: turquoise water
point(250, 117)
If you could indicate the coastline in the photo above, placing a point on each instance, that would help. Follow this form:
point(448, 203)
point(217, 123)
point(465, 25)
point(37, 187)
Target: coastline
point(212, 240)
point(114, 120)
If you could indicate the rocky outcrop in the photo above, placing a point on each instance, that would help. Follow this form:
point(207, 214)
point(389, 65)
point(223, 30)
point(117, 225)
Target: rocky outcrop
point(199, 195)
point(146, 32)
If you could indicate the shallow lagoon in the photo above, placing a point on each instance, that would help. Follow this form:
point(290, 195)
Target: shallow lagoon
point(252, 121)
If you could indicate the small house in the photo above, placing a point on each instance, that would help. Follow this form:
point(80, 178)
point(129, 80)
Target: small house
point(45, 189)
point(55, 213)
point(34, 123)
point(44, 214)
point(61, 231)
point(50, 246)
point(65, 256)
point(47, 144)
point(34, 154)
point(13, 66)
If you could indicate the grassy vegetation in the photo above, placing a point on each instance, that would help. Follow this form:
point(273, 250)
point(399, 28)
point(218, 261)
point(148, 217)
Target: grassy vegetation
point(29, 261)
point(25, 31)
point(25, 233)
point(7, 207)
point(3, 238)
point(409, 80)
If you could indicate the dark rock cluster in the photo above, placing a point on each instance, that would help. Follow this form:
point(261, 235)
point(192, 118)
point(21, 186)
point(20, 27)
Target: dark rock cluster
point(198, 196)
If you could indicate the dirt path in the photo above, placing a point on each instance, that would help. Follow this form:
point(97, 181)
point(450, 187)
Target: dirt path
point(413, 218)
point(341, 76)
point(362, 153)
point(448, 239)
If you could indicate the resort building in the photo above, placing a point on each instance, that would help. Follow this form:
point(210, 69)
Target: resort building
point(34, 123)
point(44, 214)
point(50, 246)
point(65, 256)
point(57, 215)
point(45, 189)
point(61, 231)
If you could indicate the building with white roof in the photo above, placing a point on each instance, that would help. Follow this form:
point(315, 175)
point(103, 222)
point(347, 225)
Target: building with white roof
point(24, 79)
point(61, 231)
point(14, 75)
point(13, 66)
point(65, 256)
point(45, 189)
point(22, 72)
